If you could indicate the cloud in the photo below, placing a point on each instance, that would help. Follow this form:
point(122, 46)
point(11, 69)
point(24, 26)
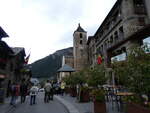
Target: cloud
point(44, 26)
point(58, 11)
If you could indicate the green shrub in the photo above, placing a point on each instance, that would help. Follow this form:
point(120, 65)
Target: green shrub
point(98, 95)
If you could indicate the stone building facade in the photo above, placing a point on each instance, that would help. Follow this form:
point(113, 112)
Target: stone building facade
point(91, 51)
point(114, 36)
point(80, 48)
point(11, 66)
point(127, 24)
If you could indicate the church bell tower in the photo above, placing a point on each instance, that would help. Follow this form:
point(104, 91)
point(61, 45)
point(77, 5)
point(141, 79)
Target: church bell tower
point(80, 48)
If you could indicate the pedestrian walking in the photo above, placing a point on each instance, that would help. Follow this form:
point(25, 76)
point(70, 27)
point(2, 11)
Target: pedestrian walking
point(33, 94)
point(47, 88)
point(14, 93)
point(62, 88)
point(23, 91)
point(51, 93)
point(57, 88)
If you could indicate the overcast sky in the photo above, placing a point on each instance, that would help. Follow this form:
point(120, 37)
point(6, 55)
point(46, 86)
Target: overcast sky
point(45, 26)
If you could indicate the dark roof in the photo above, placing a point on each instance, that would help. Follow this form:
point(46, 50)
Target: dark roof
point(5, 48)
point(18, 50)
point(3, 33)
point(66, 68)
point(80, 29)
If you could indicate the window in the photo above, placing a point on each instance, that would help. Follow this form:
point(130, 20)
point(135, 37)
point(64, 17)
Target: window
point(80, 41)
point(116, 35)
point(101, 47)
point(138, 2)
point(96, 39)
point(121, 29)
point(139, 7)
point(121, 33)
point(111, 39)
point(81, 35)
point(105, 43)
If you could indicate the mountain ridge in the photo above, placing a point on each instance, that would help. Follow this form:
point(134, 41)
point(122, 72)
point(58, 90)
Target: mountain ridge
point(47, 67)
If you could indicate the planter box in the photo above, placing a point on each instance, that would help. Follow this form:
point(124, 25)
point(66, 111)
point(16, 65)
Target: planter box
point(99, 107)
point(84, 96)
point(67, 90)
point(135, 108)
point(73, 92)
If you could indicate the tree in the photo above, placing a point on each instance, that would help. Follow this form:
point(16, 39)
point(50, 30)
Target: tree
point(76, 78)
point(96, 76)
point(134, 73)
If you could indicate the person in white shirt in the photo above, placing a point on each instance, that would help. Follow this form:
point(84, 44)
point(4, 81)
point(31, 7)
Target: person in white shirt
point(33, 93)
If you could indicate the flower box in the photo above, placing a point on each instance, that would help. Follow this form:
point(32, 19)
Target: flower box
point(136, 108)
point(99, 107)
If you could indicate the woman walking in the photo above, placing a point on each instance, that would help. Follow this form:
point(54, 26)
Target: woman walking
point(33, 94)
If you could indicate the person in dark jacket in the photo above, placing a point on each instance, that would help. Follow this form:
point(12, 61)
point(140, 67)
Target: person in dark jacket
point(23, 91)
point(13, 94)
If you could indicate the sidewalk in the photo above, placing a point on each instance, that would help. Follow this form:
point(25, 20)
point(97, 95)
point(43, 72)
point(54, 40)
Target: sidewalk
point(74, 106)
point(6, 107)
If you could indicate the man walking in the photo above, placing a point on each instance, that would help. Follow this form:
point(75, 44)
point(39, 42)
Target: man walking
point(23, 91)
point(47, 88)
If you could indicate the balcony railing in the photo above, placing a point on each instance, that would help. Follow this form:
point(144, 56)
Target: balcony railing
point(116, 41)
point(111, 27)
point(140, 9)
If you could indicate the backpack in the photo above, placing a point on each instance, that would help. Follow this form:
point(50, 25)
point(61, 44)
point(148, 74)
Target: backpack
point(48, 88)
point(33, 90)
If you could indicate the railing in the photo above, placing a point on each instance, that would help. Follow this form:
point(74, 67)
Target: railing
point(106, 32)
point(119, 39)
point(140, 9)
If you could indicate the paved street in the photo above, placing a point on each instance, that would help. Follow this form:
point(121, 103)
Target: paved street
point(40, 107)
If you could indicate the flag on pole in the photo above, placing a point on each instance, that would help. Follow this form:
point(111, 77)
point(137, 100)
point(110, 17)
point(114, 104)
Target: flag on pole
point(99, 59)
point(27, 59)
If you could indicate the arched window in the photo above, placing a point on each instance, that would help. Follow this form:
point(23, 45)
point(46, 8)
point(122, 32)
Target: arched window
point(139, 7)
point(138, 2)
point(81, 35)
point(81, 42)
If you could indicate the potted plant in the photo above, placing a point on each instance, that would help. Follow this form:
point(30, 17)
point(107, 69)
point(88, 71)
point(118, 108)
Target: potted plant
point(71, 83)
point(134, 104)
point(84, 94)
point(96, 78)
point(99, 100)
